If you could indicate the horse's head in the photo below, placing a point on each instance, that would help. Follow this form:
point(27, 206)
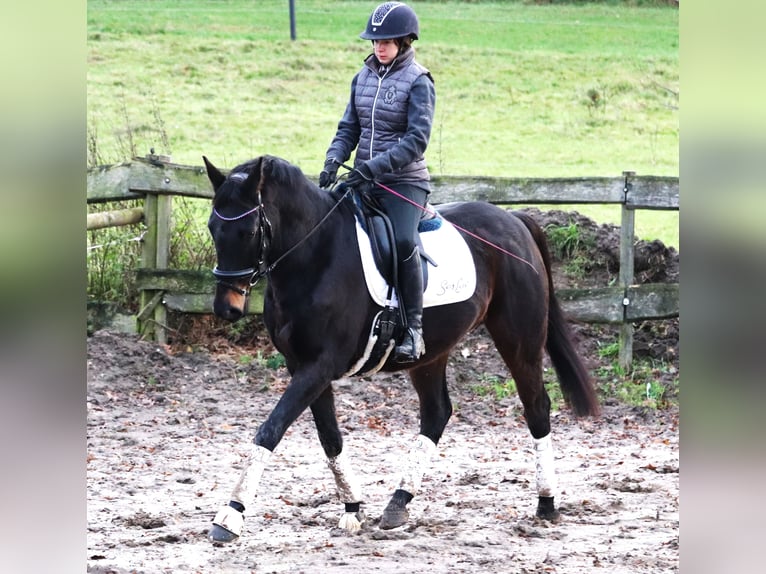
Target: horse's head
point(241, 233)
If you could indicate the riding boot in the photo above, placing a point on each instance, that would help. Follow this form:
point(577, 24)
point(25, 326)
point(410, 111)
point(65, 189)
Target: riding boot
point(411, 346)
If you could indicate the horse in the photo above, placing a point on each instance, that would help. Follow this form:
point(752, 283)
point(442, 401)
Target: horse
point(269, 219)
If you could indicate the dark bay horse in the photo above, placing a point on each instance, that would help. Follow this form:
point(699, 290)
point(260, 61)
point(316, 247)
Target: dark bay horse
point(269, 219)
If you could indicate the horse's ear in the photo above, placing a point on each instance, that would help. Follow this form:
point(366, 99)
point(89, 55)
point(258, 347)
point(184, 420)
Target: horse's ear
point(266, 166)
point(259, 171)
point(214, 174)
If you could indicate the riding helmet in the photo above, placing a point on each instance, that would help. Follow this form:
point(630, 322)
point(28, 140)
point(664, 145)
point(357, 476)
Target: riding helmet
point(391, 20)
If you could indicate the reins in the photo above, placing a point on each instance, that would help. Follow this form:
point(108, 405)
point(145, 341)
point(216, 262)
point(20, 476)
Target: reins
point(255, 274)
point(310, 233)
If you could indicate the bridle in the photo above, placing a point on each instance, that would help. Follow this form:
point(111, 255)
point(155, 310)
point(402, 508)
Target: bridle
point(251, 274)
point(254, 274)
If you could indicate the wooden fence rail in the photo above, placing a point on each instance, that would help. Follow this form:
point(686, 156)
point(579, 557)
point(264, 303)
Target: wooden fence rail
point(157, 181)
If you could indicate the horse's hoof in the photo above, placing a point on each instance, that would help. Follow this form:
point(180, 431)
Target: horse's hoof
point(227, 525)
point(352, 522)
point(220, 534)
point(393, 516)
point(547, 510)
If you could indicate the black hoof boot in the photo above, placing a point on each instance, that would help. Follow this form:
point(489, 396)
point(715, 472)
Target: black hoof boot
point(546, 509)
point(395, 513)
point(220, 534)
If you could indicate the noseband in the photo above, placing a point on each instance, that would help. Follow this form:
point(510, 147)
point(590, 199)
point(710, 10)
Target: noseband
point(261, 269)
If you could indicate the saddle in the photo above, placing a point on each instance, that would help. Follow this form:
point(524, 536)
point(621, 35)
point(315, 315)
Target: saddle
point(378, 227)
point(389, 322)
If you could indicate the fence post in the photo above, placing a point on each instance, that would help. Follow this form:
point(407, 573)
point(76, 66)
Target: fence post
point(148, 259)
point(627, 232)
point(164, 212)
point(152, 316)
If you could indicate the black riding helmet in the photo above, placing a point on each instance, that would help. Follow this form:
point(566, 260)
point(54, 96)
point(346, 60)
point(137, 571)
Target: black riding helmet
point(391, 20)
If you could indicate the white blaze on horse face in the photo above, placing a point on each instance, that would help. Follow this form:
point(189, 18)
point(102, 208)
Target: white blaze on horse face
point(349, 487)
point(419, 456)
point(544, 466)
point(245, 490)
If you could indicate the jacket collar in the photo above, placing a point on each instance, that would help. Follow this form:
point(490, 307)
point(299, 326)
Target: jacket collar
point(400, 61)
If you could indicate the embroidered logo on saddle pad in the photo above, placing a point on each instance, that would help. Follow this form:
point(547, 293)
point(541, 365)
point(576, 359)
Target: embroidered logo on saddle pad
point(453, 279)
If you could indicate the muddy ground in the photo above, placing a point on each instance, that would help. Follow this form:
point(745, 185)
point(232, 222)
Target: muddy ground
point(168, 428)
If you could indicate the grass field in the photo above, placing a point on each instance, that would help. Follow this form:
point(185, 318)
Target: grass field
point(522, 89)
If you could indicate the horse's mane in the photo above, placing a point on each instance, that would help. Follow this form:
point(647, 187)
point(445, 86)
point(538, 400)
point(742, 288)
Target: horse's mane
point(285, 173)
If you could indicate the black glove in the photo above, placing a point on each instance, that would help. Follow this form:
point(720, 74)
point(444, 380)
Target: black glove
point(328, 175)
point(359, 177)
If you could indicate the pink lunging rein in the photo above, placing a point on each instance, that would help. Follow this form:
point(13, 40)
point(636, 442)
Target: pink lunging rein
point(436, 214)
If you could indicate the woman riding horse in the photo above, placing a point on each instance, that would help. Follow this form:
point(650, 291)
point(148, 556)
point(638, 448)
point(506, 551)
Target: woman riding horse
point(388, 121)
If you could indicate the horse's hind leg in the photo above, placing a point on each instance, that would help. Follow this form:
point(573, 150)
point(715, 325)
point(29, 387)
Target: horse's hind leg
point(537, 408)
point(348, 486)
point(430, 382)
point(524, 358)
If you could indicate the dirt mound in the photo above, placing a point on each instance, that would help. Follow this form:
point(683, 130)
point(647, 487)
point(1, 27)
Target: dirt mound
point(590, 257)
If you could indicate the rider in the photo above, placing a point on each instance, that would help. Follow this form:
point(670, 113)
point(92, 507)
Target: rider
point(388, 121)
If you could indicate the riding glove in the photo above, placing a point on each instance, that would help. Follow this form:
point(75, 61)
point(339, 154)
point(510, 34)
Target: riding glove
point(359, 177)
point(328, 175)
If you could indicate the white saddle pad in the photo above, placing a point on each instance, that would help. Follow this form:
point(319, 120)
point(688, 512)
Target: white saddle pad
point(452, 281)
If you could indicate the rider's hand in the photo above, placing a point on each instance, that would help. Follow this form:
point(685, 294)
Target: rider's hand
point(359, 177)
point(328, 175)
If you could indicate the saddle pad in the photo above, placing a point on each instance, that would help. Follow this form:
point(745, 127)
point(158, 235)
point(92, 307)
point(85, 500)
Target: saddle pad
point(454, 279)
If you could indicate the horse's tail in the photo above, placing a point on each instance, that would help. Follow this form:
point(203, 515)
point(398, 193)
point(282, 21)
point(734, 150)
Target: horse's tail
point(576, 384)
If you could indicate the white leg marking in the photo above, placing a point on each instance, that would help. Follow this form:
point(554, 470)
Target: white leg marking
point(419, 456)
point(245, 490)
point(544, 466)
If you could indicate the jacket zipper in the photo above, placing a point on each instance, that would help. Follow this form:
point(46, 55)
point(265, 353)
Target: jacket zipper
point(375, 105)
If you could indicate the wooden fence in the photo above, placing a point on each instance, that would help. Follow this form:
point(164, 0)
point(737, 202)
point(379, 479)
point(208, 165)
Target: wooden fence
point(155, 180)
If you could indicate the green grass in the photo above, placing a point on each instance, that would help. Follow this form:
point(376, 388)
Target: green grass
point(492, 385)
point(647, 384)
point(644, 386)
point(523, 90)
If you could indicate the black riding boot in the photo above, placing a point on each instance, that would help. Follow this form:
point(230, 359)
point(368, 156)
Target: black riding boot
point(411, 300)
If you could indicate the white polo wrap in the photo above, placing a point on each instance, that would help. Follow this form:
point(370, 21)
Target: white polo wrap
point(544, 466)
point(418, 458)
point(245, 490)
point(349, 487)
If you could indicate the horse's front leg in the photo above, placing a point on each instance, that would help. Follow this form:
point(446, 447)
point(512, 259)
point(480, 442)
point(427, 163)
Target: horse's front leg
point(303, 390)
point(430, 382)
point(348, 486)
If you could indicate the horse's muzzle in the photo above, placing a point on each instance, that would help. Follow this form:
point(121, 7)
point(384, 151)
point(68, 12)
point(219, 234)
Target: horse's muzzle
point(232, 289)
point(228, 304)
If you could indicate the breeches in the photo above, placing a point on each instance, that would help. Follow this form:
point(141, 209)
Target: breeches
point(403, 215)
